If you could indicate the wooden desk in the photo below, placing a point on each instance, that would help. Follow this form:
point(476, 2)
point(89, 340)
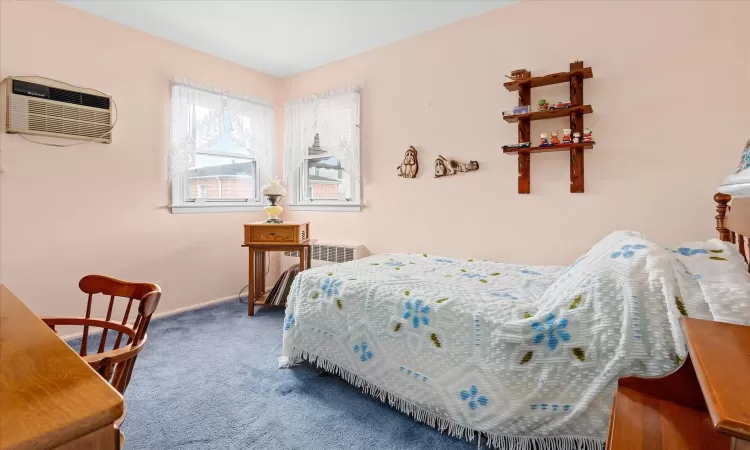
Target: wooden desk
point(703, 405)
point(49, 397)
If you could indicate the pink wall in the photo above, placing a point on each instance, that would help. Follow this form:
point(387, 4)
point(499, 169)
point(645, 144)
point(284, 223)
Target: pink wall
point(671, 94)
point(671, 98)
point(98, 208)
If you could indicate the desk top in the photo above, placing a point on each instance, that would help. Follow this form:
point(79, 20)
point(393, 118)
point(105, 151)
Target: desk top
point(48, 394)
point(721, 357)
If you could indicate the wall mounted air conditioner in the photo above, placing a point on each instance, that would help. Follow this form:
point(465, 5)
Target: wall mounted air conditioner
point(47, 108)
point(324, 254)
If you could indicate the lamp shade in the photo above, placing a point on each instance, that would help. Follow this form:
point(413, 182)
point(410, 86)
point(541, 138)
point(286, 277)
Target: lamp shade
point(273, 188)
point(738, 183)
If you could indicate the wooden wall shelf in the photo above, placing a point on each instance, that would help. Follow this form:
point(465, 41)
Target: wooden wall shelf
point(551, 114)
point(553, 78)
point(551, 148)
point(575, 77)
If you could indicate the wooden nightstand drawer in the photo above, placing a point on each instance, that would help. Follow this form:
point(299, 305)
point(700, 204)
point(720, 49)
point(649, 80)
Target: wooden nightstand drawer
point(276, 233)
point(272, 234)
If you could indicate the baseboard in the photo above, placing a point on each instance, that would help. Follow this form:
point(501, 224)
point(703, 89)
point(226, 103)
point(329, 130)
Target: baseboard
point(192, 307)
point(162, 315)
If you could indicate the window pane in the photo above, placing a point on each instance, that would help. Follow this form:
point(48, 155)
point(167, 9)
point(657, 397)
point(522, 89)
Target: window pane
point(222, 177)
point(326, 180)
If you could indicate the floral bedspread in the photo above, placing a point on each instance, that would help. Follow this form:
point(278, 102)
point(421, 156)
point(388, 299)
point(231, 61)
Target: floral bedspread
point(519, 355)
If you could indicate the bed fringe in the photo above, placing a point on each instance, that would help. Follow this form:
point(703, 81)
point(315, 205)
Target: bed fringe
point(497, 441)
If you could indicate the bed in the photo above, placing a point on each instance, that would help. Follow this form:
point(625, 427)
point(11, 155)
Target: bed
point(515, 356)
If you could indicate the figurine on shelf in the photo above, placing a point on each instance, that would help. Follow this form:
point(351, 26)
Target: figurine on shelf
point(543, 105)
point(561, 105)
point(520, 74)
point(576, 137)
point(566, 136)
point(545, 140)
point(554, 139)
point(587, 137)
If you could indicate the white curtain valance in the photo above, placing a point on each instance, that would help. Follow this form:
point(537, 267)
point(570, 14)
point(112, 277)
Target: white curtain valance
point(201, 116)
point(334, 117)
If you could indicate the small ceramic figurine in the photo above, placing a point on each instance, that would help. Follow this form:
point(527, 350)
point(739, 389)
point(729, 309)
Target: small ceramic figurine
point(445, 167)
point(566, 136)
point(587, 137)
point(519, 74)
point(543, 105)
point(576, 137)
point(561, 105)
point(410, 166)
point(555, 140)
point(545, 141)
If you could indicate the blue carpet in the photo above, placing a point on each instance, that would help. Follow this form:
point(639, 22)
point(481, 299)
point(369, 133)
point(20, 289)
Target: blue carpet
point(208, 379)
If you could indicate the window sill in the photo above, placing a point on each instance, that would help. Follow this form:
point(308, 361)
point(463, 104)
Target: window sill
point(356, 207)
point(209, 208)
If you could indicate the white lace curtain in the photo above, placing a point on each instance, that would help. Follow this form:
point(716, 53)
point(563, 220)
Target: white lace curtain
point(198, 120)
point(335, 118)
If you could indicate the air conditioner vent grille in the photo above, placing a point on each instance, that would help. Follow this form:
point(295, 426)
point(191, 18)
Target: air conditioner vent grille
point(329, 253)
point(95, 101)
point(29, 114)
point(78, 98)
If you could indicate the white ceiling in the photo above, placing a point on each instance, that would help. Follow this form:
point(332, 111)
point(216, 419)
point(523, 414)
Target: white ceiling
point(282, 38)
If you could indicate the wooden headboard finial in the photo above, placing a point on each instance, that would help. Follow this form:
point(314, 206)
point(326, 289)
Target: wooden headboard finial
point(722, 204)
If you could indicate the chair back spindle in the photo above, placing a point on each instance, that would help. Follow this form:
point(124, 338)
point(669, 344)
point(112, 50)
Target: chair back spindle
point(115, 365)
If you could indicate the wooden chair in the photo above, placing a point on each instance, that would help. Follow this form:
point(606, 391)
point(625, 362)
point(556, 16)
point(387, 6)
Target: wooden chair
point(115, 365)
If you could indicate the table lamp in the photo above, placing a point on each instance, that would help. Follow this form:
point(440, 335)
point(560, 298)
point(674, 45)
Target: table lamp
point(738, 183)
point(273, 191)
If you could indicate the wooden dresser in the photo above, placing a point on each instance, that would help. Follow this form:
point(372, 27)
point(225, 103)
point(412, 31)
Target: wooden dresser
point(703, 405)
point(49, 397)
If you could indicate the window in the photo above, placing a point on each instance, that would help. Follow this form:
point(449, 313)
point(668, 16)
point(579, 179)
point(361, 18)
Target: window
point(221, 151)
point(322, 153)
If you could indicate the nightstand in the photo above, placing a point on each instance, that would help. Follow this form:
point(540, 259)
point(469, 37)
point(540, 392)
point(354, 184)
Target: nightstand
point(702, 405)
point(261, 237)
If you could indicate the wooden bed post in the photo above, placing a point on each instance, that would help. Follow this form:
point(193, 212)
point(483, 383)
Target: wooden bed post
point(722, 201)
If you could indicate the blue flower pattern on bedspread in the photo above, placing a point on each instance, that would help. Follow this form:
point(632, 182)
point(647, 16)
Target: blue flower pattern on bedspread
point(417, 311)
point(684, 251)
point(288, 321)
point(365, 353)
point(330, 286)
point(435, 335)
point(627, 251)
point(473, 275)
point(551, 329)
point(503, 295)
point(472, 396)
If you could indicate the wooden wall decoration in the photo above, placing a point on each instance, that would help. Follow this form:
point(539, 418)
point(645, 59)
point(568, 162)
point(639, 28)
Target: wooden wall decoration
point(575, 112)
point(445, 167)
point(410, 166)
